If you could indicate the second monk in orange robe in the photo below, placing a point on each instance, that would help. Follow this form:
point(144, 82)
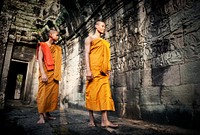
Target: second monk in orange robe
point(49, 58)
point(98, 93)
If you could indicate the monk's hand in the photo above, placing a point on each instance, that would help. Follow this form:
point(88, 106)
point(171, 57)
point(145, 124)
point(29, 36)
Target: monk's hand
point(44, 78)
point(108, 73)
point(89, 75)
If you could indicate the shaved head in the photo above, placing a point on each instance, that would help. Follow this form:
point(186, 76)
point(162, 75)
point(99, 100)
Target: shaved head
point(99, 22)
point(52, 31)
point(100, 27)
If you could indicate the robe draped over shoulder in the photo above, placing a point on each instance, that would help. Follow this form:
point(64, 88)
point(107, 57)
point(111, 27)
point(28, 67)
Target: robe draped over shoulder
point(98, 92)
point(47, 96)
point(48, 59)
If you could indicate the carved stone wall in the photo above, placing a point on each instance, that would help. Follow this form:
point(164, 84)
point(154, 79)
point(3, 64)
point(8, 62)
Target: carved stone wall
point(155, 58)
point(170, 62)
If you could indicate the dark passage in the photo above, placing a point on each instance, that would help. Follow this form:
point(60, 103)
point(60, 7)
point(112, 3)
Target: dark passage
point(16, 80)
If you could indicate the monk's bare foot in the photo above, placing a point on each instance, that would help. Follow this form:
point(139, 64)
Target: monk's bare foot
point(91, 124)
point(109, 124)
point(41, 121)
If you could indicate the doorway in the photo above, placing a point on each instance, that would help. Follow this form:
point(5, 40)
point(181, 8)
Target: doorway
point(16, 81)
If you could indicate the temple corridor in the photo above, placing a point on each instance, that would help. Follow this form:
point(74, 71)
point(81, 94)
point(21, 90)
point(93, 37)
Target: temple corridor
point(155, 55)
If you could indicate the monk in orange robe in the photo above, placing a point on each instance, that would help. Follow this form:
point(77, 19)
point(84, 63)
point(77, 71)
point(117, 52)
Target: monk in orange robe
point(98, 93)
point(49, 57)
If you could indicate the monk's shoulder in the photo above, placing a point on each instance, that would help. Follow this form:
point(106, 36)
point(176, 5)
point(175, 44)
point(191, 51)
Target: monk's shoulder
point(58, 47)
point(89, 38)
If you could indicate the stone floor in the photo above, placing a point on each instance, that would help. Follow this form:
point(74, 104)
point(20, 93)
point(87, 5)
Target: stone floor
point(22, 121)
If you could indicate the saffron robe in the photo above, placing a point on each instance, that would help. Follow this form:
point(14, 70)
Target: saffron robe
point(47, 96)
point(98, 92)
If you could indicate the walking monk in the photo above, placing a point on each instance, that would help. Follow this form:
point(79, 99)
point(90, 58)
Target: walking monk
point(98, 93)
point(49, 58)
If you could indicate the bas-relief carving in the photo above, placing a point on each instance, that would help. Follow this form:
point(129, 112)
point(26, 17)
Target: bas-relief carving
point(158, 24)
point(130, 60)
point(174, 6)
point(192, 47)
point(162, 54)
point(124, 42)
point(5, 25)
point(173, 54)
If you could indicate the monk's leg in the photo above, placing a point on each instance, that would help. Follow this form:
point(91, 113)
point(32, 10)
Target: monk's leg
point(41, 119)
point(105, 122)
point(92, 121)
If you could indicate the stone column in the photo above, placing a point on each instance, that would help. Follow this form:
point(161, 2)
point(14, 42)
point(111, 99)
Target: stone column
point(5, 71)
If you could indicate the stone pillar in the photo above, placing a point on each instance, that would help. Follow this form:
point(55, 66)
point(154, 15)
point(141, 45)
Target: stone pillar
point(5, 21)
point(5, 71)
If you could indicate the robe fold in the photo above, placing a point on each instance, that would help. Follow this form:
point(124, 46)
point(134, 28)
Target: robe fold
point(98, 92)
point(47, 96)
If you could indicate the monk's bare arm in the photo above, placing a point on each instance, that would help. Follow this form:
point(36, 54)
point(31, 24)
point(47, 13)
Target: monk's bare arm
point(89, 75)
point(40, 60)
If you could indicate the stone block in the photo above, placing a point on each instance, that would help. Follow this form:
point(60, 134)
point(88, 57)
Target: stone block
point(131, 96)
point(120, 80)
point(178, 95)
point(190, 72)
point(128, 110)
point(172, 76)
point(146, 78)
point(150, 95)
point(122, 95)
point(179, 115)
point(166, 76)
point(119, 94)
point(155, 113)
point(133, 79)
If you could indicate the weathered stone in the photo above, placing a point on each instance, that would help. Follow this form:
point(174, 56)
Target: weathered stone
point(190, 72)
point(179, 115)
point(154, 113)
point(128, 110)
point(150, 96)
point(178, 95)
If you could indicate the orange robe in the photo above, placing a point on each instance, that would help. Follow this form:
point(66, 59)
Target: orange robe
point(98, 92)
point(47, 96)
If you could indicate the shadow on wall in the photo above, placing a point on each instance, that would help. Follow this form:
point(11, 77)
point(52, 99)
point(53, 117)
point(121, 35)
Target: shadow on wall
point(1, 4)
